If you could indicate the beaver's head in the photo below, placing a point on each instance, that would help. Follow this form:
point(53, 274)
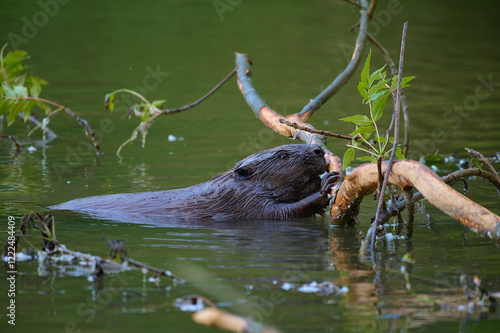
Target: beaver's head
point(287, 173)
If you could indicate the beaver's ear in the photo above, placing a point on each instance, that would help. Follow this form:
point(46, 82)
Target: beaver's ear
point(243, 172)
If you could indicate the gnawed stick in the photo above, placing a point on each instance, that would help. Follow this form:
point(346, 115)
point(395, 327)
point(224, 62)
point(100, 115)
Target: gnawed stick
point(407, 173)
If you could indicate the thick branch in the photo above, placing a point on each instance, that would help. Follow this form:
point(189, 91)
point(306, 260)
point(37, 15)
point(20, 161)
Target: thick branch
point(407, 173)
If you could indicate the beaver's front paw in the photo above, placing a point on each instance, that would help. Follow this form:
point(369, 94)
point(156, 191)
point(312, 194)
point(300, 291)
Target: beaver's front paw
point(327, 182)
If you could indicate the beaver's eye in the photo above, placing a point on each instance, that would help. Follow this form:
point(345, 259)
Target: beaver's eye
point(284, 156)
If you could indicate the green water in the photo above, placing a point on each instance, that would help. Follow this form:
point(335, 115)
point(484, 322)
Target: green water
point(86, 49)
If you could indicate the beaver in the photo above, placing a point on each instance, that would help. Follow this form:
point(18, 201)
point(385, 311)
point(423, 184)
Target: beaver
point(280, 183)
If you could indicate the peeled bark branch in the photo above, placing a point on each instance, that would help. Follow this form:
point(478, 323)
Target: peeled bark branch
point(407, 173)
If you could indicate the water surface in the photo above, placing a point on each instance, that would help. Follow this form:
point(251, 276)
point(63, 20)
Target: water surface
point(177, 50)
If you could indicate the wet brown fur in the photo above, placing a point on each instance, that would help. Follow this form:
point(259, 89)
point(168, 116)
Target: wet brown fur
point(279, 183)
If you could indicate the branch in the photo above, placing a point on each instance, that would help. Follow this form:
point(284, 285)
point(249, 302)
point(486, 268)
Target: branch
point(450, 180)
point(407, 173)
point(214, 89)
point(480, 156)
point(88, 130)
point(396, 139)
point(321, 132)
point(348, 72)
point(16, 145)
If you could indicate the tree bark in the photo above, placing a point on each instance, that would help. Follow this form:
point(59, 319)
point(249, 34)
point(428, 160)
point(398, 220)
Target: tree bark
point(407, 173)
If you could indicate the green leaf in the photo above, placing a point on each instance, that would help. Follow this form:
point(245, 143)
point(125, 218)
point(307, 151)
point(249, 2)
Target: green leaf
point(16, 92)
point(381, 85)
point(367, 159)
point(158, 103)
point(360, 120)
point(28, 105)
point(36, 88)
point(8, 92)
point(145, 114)
point(109, 102)
point(378, 106)
point(379, 138)
point(363, 129)
point(404, 82)
point(376, 75)
point(44, 107)
point(365, 73)
point(348, 157)
point(362, 90)
point(15, 108)
point(376, 95)
point(399, 153)
point(5, 106)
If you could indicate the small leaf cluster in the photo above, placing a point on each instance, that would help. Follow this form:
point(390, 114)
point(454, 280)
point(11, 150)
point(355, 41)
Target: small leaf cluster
point(19, 90)
point(375, 88)
point(147, 112)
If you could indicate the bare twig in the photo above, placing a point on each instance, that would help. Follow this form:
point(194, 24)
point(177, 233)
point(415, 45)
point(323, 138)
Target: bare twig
point(396, 139)
point(88, 130)
point(14, 142)
point(480, 156)
point(204, 97)
point(155, 270)
point(321, 132)
point(354, 3)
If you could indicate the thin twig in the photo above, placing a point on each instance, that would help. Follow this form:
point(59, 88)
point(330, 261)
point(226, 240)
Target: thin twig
point(321, 132)
point(477, 154)
point(371, 9)
point(354, 3)
point(16, 145)
point(88, 130)
point(204, 97)
point(396, 139)
point(154, 269)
